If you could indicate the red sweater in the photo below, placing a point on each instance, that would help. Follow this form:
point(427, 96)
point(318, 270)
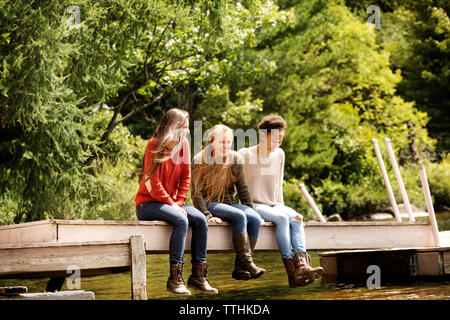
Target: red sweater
point(170, 182)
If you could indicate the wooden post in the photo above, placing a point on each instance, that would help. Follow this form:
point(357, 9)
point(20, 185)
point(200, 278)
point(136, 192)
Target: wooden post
point(138, 268)
point(311, 203)
point(386, 180)
point(430, 209)
point(399, 179)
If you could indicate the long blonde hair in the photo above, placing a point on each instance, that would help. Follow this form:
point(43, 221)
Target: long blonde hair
point(165, 133)
point(212, 177)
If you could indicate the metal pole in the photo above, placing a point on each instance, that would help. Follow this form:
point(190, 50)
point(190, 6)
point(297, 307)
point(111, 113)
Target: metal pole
point(386, 180)
point(426, 192)
point(311, 203)
point(399, 179)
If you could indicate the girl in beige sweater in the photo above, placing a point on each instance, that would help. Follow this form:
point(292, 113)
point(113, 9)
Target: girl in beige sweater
point(264, 171)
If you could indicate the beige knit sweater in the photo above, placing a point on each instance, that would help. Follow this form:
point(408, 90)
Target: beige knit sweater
point(264, 175)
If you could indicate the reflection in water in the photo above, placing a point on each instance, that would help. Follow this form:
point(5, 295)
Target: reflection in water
point(272, 285)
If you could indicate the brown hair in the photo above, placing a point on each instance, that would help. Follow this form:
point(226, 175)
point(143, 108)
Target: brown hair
point(165, 133)
point(272, 121)
point(210, 176)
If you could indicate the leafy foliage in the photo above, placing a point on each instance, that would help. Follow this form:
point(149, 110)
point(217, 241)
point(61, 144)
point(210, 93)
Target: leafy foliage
point(75, 102)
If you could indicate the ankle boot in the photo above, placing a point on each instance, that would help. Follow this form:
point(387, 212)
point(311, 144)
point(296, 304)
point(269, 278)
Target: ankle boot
point(175, 283)
point(244, 268)
point(318, 271)
point(238, 272)
point(199, 278)
point(289, 264)
point(307, 274)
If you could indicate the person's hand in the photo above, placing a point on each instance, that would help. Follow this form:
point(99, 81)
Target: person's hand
point(262, 222)
point(176, 206)
point(215, 220)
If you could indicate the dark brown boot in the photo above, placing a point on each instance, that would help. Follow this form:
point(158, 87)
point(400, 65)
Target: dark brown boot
point(199, 278)
point(306, 274)
point(244, 268)
point(289, 264)
point(175, 283)
point(245, 275)
point(238, 272)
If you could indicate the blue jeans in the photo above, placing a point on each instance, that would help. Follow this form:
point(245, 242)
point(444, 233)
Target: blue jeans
point(243, 218)
point(155, 210)
point(288, 239)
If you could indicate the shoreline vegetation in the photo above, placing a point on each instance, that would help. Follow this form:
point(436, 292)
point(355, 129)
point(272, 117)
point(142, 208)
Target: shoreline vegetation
point(80, 97)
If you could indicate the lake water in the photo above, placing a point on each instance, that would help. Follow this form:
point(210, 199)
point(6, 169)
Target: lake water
point(272, 285)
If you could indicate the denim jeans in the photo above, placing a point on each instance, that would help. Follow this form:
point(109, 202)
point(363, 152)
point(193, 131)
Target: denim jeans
point(155, 210)
point(288, 239)
point(243, 218)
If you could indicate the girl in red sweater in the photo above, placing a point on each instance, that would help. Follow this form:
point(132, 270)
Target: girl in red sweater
point(163, 189)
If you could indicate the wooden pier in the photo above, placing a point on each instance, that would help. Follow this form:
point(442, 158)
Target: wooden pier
point(59, 260)
point(394, 265)
point(156, 234)
point(49, 248)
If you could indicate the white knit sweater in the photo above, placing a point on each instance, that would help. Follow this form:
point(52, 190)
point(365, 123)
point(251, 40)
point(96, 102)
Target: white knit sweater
point(264, 175)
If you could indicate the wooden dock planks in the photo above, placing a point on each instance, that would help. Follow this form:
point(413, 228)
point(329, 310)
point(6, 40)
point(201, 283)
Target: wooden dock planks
point(54, 259)
point(156, 234)
point(60, 259)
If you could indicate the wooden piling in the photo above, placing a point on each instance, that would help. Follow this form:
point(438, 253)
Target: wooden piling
point(399, 179)
point(138, 268)
point(311, 202)
point(430, 209)
point(386, 180)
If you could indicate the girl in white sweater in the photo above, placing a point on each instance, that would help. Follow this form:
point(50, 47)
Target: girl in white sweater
point(264, 171)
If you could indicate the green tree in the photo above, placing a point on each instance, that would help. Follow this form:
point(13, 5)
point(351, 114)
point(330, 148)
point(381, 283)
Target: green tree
point(334, 85)
point(124, 56)
point(416, 34)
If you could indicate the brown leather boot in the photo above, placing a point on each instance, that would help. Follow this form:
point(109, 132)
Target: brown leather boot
point(245, 275)
point(244, 268)
point(307, 274)
point(318, 271)
point(199, 278)
point(238, 272)
point(175, 283)
point(289, 264)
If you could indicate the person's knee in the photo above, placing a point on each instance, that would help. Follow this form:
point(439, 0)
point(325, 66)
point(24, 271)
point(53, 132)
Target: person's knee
point(298, 217)
point(181, 222)
point(281, 220)
point(199, 222)
point(260, 219)
point(253, 216)
point(239, 217)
